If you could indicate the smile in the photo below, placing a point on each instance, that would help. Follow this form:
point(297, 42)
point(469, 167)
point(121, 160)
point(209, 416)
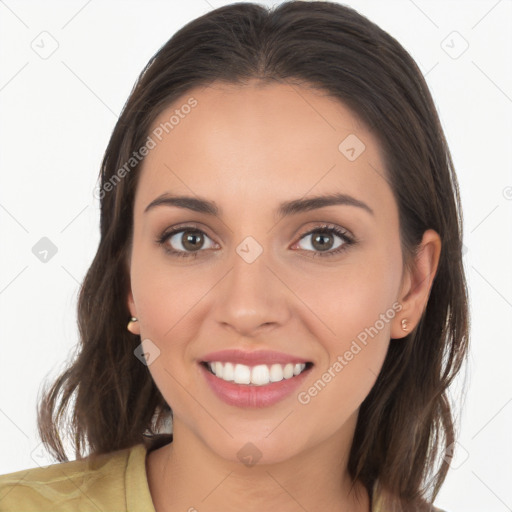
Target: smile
point(254, 386)
point(259, 375)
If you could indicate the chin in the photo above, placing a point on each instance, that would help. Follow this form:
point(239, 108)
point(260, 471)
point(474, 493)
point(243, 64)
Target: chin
point(255, 450)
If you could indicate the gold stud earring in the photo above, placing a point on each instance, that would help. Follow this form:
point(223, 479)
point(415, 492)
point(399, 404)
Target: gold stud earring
point(132, 320)
point(404, 324)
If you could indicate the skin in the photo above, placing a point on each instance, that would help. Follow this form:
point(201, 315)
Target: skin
point(248, 148)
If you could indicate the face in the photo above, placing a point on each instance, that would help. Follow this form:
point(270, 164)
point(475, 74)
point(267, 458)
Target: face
point(318, 284)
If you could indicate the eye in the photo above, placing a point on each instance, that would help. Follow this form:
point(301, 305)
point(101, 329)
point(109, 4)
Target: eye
point(187, 241)
point(323, 242)
point(184, 241)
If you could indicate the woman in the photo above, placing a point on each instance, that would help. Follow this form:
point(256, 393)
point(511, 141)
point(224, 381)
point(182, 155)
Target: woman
point(277, 305)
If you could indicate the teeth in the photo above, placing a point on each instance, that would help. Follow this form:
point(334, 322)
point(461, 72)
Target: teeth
point(258, 375)
point(228, 371)
point(218, 369)
point(288, 371)
point(276, 373)
point(242, 374)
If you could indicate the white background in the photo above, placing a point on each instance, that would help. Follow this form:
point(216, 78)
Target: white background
point(57, 114)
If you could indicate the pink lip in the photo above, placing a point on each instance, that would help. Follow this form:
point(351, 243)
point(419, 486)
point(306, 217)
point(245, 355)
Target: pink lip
point(252, 358)
point(246, 395)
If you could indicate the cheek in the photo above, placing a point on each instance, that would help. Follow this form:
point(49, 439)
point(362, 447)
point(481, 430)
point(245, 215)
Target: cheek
point(165, 294)
point(165, 302)
point(354, 297)
point(356, 305)
point(359, 312)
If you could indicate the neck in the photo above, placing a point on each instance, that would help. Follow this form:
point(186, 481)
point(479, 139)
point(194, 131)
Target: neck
point(186, 475)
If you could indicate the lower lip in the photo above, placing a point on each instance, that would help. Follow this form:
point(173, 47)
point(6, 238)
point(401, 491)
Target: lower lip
point(245, 395)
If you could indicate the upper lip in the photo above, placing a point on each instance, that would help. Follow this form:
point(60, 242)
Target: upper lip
point(254, 357)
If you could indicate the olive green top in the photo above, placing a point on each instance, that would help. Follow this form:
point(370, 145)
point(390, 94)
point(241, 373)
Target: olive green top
point(115, 481)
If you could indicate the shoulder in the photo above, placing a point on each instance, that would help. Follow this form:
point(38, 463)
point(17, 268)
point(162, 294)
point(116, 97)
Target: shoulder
point(97, 481)
point(381, 500)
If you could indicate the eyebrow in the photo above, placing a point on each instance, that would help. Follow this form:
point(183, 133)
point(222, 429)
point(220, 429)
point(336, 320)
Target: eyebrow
point(293, 207)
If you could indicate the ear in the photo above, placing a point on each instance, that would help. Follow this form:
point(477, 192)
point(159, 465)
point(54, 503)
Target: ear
point(133, 327)
point(417, 283)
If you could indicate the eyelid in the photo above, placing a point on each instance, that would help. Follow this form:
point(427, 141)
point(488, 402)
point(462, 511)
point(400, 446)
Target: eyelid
point(184, 227)
point(320, 225)
point(328, 226)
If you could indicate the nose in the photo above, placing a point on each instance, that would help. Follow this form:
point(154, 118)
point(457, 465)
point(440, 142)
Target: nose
point(252, 298)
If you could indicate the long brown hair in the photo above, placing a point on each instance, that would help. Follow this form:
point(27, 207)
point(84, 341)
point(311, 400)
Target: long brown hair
point(405, 424)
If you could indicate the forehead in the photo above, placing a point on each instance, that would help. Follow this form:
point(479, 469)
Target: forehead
point(260, 144)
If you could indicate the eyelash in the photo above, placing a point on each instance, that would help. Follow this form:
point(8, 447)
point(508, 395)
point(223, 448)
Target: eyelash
point(324, 229)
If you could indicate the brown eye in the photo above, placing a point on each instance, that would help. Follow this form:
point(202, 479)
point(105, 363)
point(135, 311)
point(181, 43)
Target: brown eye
point(323, 241)
point(191, 240)
point(185, 240)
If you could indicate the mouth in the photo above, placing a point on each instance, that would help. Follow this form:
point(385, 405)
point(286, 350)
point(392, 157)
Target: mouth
point(256, 386)
point(255, 375)
point(253, 379)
